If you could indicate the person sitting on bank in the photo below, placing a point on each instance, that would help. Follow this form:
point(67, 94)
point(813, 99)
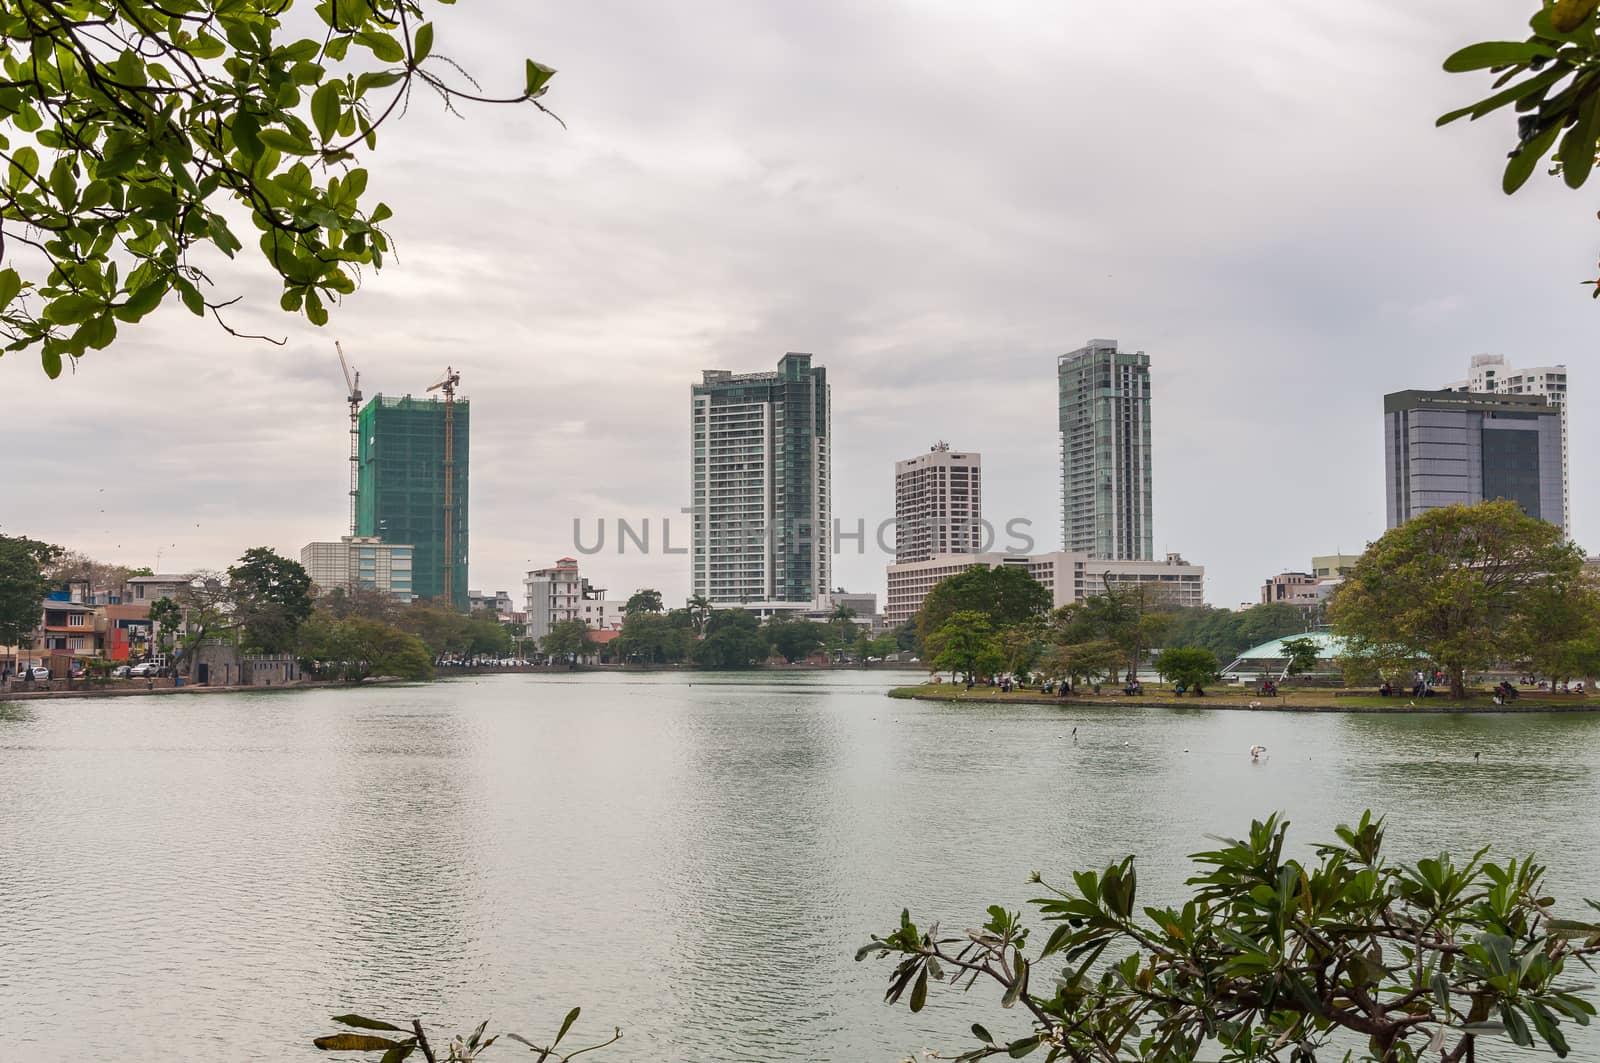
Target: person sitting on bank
point(1386, 690)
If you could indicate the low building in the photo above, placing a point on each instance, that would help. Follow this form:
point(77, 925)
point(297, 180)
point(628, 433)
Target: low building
point(561, 593)
point(1333, 566)
point(361, 562)
point(499, 603)
point(1069, 576)
point(1295, 588)
point(153, 588)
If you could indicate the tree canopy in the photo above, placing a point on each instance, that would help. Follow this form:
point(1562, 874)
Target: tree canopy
point(1551, 79)
point(136, 133)
point(566, 638)
point(1269, 958)
point(1458, 586)
point(1005, 594)
point(1189, 665)
point(355, 648)
point(733, 639)
point(966, 643)
point(271, 598)
point(23, 585)
point(645, 599)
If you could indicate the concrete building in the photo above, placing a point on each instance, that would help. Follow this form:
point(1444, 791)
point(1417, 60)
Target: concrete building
point(361, 562)
point(1489, 374)
point(1069, 576)
point(400, 487)
point(938, 504)
point(1333, 566)
point(1104, 419)
point(761, 487)
point(560, 593)
point(1448, 447)
point(1295, 588)
point(497, 602)
point(150, 589)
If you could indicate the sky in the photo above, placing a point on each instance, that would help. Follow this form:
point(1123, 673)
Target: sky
point(935, 200)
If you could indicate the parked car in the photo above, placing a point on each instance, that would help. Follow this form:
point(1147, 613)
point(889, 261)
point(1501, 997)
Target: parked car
point(38, 673)
point(120, 671)
point(144, 668)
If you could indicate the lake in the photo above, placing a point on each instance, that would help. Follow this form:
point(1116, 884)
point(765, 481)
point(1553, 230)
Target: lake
point(691, 857)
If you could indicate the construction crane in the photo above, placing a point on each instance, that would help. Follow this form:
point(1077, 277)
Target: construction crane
point(353, 382)
point(448, 386)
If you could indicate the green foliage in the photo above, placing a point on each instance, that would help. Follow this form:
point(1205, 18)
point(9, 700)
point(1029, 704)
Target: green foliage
point(485, 636)
point(566, 638)
point(796, 639)
point(459, 1049)
point(167, 616)
point(1228, 632)
point(1459, 585)
point(356, 648)
point(655, 638)
point(733, 639)
point(905, 636)
point(1552, 82)
point(1131, 617)
point(966, 643)
point(1271, 959)
point(1005, 595)
point(1303, 654)
point(1190, 665)
point(271, 599)
point(23, 586)
point(1090, 661)
point(133, 130)
point(645, 600)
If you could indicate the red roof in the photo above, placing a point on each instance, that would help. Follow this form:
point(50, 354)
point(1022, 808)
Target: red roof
point(602, 637)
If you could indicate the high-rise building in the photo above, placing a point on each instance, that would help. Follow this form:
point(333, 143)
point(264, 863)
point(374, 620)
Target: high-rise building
point(360, 563)
point(1447, 447)
point(938, 504)
point(400, 490)
point(1105, 452)
point(761, 486)
point(1490, 374)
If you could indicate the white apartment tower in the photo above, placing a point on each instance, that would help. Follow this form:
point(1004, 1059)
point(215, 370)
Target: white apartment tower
point(938, 504)
point(1490, 373)
point(761, 487)
point(559, 593)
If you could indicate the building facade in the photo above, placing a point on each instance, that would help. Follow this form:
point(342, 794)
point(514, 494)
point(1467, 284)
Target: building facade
point(1070, 576)
point(560, 593)
point(761, 487)
point(1489, 374)
point(361, 562)
point(1104, 419)
point(938, 504)
point(1333, 566)
point(400, 487)
point(1444, 448)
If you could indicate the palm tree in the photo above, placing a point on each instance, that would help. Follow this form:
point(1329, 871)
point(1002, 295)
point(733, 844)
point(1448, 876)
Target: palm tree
point(699, 612)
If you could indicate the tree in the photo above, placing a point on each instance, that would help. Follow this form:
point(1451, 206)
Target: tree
point(1005, 594)
point(645, 600)
point(135, 128)
point(1552, 82)
point(966, 643)
point(795, 639)
point(23, 586)
point(654, 638)
point(1089, 661)
point(840, 628)
point(734, 639)
point(437, 624)
point(355, 648)
point(484, 635)
point(75, 565)
point(1456, 585)
point(905, 636)
point(1189, 665)
point(1561, 631)
point(1131, 616)
point(566, 638)
point(1228, 632)
point(167, 616)
point(1270, 959)
point(1303, 654)
point(699, 611)
point(366, 602)
point(271, 598)
point(1020, 646)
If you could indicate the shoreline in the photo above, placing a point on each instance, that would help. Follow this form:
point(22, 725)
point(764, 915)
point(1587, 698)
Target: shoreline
point(1237, 704)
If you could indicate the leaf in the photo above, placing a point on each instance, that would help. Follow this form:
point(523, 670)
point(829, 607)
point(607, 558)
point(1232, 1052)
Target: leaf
point(1568, 15)
point(919, 991)
point(1520, 166)
point(566, 1024)
point(1578, 146)
point(10, 286)
point(1018, 1049)
point(354, 1042)
point(423, 44)
point(51, 360)
point(982, 1034)
point(1495, 53)
point(325, 109)
point(538, 76)
point(399, 1052)
point(284, 141)
point(366, 1024)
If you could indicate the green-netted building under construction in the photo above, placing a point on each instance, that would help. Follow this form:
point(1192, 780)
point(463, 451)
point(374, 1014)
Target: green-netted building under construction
point(401, 487)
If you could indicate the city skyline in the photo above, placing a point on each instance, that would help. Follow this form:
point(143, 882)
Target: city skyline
point(1281, 293)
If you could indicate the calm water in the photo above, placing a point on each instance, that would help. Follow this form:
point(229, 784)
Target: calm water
point(692, 858)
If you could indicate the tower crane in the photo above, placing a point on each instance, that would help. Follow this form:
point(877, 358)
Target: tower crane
point(448, 387)
point(353, 383)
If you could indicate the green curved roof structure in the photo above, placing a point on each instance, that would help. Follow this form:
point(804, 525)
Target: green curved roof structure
point(1329, 647)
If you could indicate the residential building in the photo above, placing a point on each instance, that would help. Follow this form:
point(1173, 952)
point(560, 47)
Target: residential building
point(498, 602)
point(1104, 419)
point(149, 589)
point(1294, 588)
point(1448, 447)
point(1069, 576)
point(361, 562)
point(560, 593)
point(938, 504)
point(1489, 373)
point(761, 487)
point(400, 487)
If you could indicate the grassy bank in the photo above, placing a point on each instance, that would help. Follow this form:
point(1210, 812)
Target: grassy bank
point(1315, 700)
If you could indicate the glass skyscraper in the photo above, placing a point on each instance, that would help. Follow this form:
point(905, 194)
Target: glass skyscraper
point(1444, 448)
point(1105, 452)
point(761, 486)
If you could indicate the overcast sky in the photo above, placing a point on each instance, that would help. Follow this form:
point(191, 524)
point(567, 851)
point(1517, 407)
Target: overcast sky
point(933, 198)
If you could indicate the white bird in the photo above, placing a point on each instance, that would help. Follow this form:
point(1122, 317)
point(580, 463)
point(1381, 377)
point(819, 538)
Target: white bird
point(1256, 751)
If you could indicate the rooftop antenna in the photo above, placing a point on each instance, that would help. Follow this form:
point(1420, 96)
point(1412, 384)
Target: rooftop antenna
point(353, 383)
